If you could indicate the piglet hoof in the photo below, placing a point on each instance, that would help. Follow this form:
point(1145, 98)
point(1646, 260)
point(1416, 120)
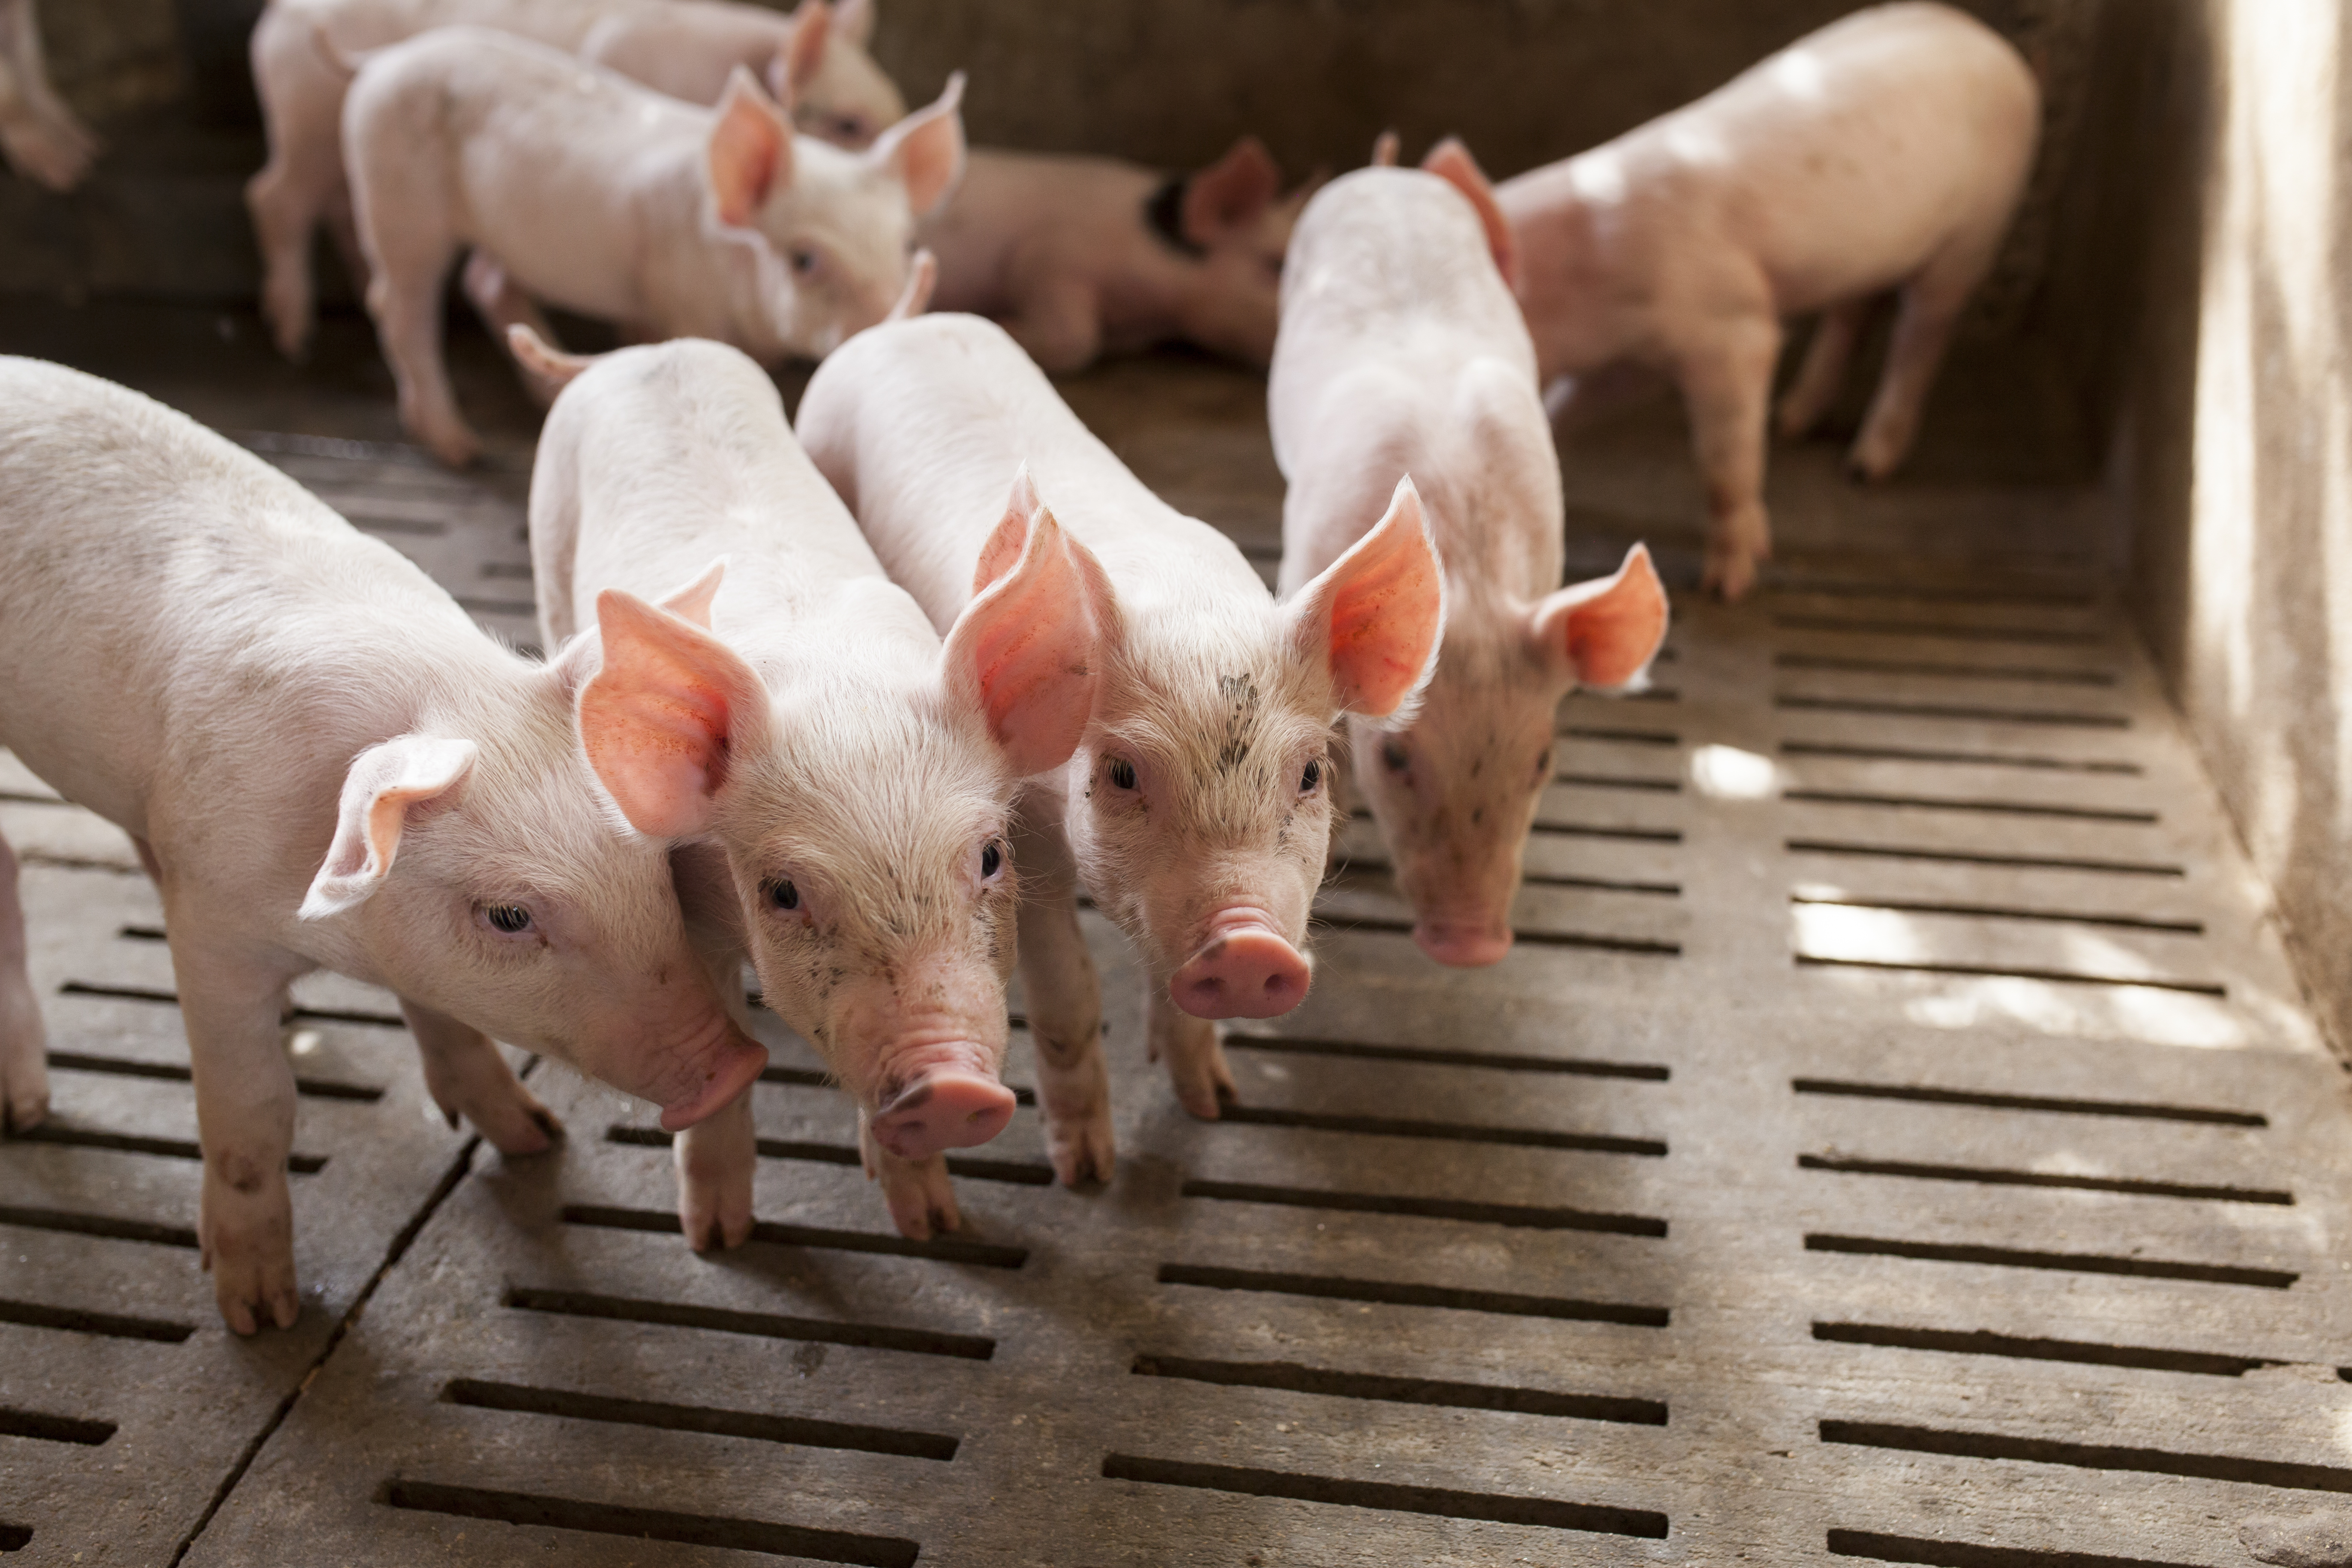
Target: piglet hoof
point(23, 1068)
point(920, 1198)
point(714, 1215)
point(1081, 1149)
point(1204, 1083)
point(248, 1248)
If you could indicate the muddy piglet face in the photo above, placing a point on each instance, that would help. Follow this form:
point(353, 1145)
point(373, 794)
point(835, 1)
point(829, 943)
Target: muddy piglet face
point(861, 802)
point(1455, 792)
point(1199, 806)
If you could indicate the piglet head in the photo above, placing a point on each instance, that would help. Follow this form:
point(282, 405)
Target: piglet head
point(836, 91)
point(864, 812)
point(1235, 216)
point(1199, 806)
point(485, 878)
point(825, 235)
point(1456, 791)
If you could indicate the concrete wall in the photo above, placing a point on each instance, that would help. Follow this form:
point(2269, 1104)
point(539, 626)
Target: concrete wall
point(2234, 464)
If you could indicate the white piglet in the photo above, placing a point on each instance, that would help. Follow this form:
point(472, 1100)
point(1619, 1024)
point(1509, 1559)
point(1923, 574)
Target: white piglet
point(815, 60)
point(853, 777)
point(606, 198)
point(1198, 806)
point(1076, 255)
point(324, 764)
point(1887, 151)
point(1402, 351)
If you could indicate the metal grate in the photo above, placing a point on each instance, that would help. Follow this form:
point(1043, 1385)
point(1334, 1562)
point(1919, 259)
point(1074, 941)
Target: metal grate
point(1896, 1137)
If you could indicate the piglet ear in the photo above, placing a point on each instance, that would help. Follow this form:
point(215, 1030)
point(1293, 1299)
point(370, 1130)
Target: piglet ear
point(384, 780)
point(1024, 651)
point(662, 718)
point(797, 63)
point(1375, 615)
point(1450, 161)
point(1231, 194)
point(692, 603)
point(854, 20)
point(924, 151)
point(1605, 632)
point(749, 154)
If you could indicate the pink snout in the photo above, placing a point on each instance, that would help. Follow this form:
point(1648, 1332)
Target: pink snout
point(1463, 946)
point(728, 1070)
point(1245, 970)
point(942, 1111)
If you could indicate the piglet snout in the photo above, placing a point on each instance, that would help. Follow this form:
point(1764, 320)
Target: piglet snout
point(723, 1070)
point(1245, 970)
point(942, 1111)
point(1465, 946)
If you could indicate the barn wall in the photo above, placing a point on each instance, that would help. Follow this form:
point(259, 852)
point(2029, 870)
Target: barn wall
point(2234, 464)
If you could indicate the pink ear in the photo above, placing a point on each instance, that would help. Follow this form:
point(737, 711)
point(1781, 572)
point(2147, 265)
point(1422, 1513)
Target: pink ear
point(662, 717)
point(1010, 537)
point(1450, 161)
point(797, 64)
point(926, 149)
point(1231, 192)
point(1376, 612)
point(1026, 649)
point(1609, 629)
point(749, 153)
point(692, 603)
point(384, 780)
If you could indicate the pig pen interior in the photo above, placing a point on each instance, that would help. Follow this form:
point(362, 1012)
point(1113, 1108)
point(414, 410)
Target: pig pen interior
point(1899, 1134)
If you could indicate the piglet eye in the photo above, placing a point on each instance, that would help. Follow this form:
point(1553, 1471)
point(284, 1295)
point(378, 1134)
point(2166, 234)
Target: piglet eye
point(1311, 778)
point(1393, 755)
point(1122, 773)
point(783, 895)
point(511, 918)
point(992, 859)
point(804, 260)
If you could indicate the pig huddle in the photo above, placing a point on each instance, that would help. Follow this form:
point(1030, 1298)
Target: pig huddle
point(867, 706)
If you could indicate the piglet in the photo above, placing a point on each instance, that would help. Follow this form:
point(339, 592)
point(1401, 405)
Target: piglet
point(815, 59)
point(1076, 255)
point(851, 778)
point(1402, 350)
point(604, 197)
point(1198, 806)
point(1887, 151)
point(40, 137)
point(323, 764)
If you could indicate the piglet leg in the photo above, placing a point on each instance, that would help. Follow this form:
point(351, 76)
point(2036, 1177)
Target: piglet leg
point(717, 1157)
point(467, 1076)
point(24, 1063)
point(1194, 1054)
point(1059, 324)
point(1925, 319)
point(1726, 382)
point(922, 1200)
point(40, 135)
point(404, 231)
point(245, 1119)
point(1065, 998)
point(502, 305)
point(1823, 375)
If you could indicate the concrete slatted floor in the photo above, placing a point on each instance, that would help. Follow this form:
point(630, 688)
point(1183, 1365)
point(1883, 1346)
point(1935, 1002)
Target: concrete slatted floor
point(1896, 1137)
